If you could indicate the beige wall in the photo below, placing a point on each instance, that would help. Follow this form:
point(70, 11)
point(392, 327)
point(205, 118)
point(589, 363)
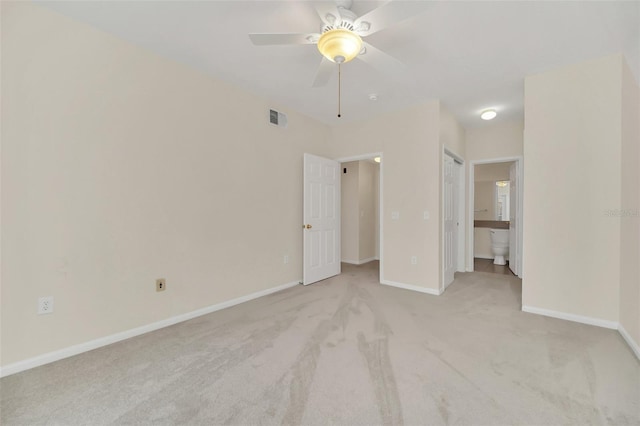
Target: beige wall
point(452, 135)
point(492, 172)
point(410, 143)
point(572, 149)
point(350, 206)
point(491, 141)
point(359, 206)
point(495, 140)
point(630, 220)
point(120, 167)
point(367, 206)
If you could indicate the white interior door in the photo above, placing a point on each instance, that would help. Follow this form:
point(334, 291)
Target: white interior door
point(450, 219)
point(513, 219)
point(321, 219)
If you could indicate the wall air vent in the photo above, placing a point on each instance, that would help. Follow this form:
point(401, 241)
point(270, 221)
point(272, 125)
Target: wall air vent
point(277, 118)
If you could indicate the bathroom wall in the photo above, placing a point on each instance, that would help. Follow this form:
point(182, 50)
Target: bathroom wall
point(483, 201)
point(485, 178)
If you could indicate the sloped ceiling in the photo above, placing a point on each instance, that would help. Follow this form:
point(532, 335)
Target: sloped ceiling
point(471, 55)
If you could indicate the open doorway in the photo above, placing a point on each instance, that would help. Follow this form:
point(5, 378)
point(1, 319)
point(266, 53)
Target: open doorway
point(361, 201)
point(495, 216)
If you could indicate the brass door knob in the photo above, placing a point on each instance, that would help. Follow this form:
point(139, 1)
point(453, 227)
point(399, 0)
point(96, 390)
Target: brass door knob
point(308, 226)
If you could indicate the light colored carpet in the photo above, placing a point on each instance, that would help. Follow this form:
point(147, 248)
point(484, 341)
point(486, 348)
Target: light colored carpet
point(347, 351)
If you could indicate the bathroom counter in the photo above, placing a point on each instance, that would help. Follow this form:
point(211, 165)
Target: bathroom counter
point(495, 224)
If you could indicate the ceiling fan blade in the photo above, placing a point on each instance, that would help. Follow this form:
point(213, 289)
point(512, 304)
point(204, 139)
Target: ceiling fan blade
point(273, 39)
point(328, 12)
point(324, 72)
point(383, 62)
point(387, 15)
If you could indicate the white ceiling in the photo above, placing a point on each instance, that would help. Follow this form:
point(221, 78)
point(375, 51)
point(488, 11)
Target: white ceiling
point(470, 54)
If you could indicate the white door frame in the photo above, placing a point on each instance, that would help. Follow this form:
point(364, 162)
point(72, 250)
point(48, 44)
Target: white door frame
point(380, 198)
point(520, 174)
point(461, 213)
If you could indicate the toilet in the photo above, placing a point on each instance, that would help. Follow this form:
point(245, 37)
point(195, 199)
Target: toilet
point(499, 245)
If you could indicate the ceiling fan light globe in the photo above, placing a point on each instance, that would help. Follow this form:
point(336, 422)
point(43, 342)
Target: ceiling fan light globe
point(339, 45)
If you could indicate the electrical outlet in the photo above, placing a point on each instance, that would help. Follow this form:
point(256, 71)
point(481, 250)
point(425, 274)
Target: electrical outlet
point(161, 284)
point(45, 305)
point(286, 259)
point(414, 260)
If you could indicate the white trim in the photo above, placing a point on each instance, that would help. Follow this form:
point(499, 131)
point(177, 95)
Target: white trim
point(381, 218)
point(107, 340)
point(571, 317)
point(359, 262)
point(635, 348)
point(451, 153)
point(462, 228)
point(627, 338)
point(360, 157)
point(412, 287)
point(484, 256)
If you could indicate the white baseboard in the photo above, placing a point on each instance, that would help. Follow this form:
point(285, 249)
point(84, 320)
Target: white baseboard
point(107, 340)
point(483, 256)
point(590, 321)
point(571, 317)
point(635, 347)
point(359, 262)
point(412, 287)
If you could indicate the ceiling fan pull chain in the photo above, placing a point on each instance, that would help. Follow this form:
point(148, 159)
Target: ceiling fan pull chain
point(339, 78)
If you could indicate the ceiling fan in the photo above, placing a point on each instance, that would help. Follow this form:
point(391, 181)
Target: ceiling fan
point(341, 33)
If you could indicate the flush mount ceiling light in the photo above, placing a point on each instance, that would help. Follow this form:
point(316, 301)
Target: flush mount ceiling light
point(488, 114)
point(339, 45)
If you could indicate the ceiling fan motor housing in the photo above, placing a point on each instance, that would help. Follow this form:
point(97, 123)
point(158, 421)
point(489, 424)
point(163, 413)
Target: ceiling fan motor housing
point(345, 21)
